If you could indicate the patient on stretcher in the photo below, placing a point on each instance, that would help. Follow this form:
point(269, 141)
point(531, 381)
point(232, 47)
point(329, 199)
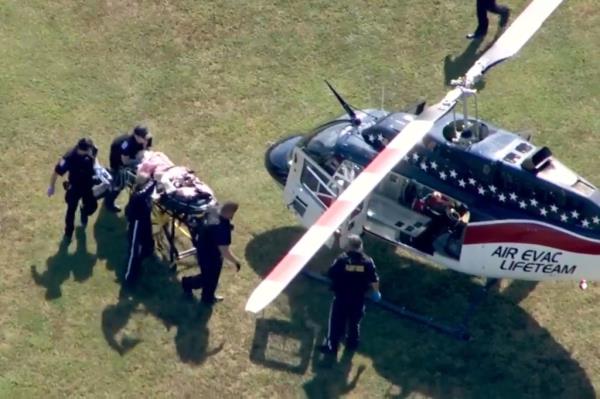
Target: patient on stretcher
point(177, 182)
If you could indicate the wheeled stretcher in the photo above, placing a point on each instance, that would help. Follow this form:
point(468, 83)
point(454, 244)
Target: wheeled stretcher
point(171, 216)
point(181, 200)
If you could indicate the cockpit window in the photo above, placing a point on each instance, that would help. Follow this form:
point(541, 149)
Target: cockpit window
point(384, 131)
point(321, 144)
point(512, 158)
point(523, 148)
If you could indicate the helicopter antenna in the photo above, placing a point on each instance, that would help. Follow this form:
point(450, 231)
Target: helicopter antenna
point(353, 118)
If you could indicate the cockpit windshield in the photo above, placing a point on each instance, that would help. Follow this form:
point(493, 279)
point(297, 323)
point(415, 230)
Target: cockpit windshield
point(321, 144)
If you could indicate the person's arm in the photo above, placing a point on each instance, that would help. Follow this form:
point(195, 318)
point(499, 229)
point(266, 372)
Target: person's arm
point(226, 253)
point(60, 169)
point(374, 283)
point(127, 160)
point(51, 186)
point(333, 269)
point(127, 153)
point(334, 272)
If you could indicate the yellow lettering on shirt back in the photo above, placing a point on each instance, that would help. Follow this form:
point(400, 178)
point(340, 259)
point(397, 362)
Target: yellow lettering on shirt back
point(355, 268)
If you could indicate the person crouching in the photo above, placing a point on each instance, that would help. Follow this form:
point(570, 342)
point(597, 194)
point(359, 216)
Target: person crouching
point(138, 212)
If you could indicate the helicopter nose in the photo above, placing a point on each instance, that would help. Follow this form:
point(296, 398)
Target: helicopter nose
point(277, 157)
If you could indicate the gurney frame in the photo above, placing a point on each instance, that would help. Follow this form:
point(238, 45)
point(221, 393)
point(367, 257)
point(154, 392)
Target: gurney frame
point(168, 223)
point(176, 222)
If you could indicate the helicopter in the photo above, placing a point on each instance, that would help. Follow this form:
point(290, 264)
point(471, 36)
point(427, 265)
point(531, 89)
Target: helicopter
point(449, 187)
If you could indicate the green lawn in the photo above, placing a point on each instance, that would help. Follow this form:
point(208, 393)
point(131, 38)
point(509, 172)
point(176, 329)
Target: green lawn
point(218, 81)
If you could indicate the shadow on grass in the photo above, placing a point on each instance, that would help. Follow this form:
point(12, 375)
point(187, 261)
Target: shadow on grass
point(110, 233)
point(61, 265)
point(510, 354)
point(279, 346)
point(456, 67)
point(157, 292)
point(331, 376)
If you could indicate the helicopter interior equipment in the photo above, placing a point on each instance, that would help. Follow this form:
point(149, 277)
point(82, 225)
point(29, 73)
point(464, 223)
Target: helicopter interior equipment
point(449, 187)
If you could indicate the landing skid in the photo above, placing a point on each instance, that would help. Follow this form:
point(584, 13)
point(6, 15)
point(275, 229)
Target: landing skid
point(459, 331)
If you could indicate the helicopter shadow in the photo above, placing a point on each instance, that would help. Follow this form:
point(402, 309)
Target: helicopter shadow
point(509, 355)
point(157, 293)
point(457, 66)
point(61, 265)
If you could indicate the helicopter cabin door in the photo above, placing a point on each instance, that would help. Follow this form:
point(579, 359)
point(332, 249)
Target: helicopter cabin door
point(310, 190)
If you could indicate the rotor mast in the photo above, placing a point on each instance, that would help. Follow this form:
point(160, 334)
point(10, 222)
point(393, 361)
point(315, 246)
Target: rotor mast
point(465, 93)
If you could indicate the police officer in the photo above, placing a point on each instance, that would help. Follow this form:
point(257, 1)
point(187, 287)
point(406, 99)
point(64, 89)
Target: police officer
point(123, 152)
point(352, 275)
point(79, 162)
point(212, 241)
point(483, 6)
point(138, 212)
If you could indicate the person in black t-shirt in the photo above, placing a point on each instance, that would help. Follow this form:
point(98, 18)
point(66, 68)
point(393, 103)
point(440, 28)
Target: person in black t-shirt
point(124, 151)
point(79, 163)
point(139, 216)
point(352, 275)
point(212, 241)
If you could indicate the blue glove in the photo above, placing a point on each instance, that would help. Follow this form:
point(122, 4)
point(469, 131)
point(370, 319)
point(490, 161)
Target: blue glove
point(376, 296)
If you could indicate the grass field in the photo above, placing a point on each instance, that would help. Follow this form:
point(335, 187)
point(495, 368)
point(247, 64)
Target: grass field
point(217, 81)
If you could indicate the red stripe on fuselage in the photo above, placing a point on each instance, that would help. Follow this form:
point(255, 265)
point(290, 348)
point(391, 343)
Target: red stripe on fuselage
point(529, 233)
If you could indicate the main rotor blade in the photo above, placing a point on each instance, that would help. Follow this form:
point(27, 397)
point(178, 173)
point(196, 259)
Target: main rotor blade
point(293, 262)
point(515, 37)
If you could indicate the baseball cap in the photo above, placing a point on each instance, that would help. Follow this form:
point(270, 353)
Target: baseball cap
point(141, 131)
point(84, 144)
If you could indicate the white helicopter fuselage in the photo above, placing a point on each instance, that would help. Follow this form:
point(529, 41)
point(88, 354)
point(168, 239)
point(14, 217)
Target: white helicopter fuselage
point(514, 249)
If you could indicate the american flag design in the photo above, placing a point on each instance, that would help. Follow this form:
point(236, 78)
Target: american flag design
point(537, 207)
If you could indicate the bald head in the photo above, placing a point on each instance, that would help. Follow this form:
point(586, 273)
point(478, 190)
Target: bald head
point(228, 209)
point(354, 243)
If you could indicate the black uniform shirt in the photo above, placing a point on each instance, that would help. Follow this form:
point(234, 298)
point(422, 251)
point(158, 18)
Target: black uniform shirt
point(351, 275)
point(139, 206)
point(80, 168)
point(123, 145)
point(209, 238)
